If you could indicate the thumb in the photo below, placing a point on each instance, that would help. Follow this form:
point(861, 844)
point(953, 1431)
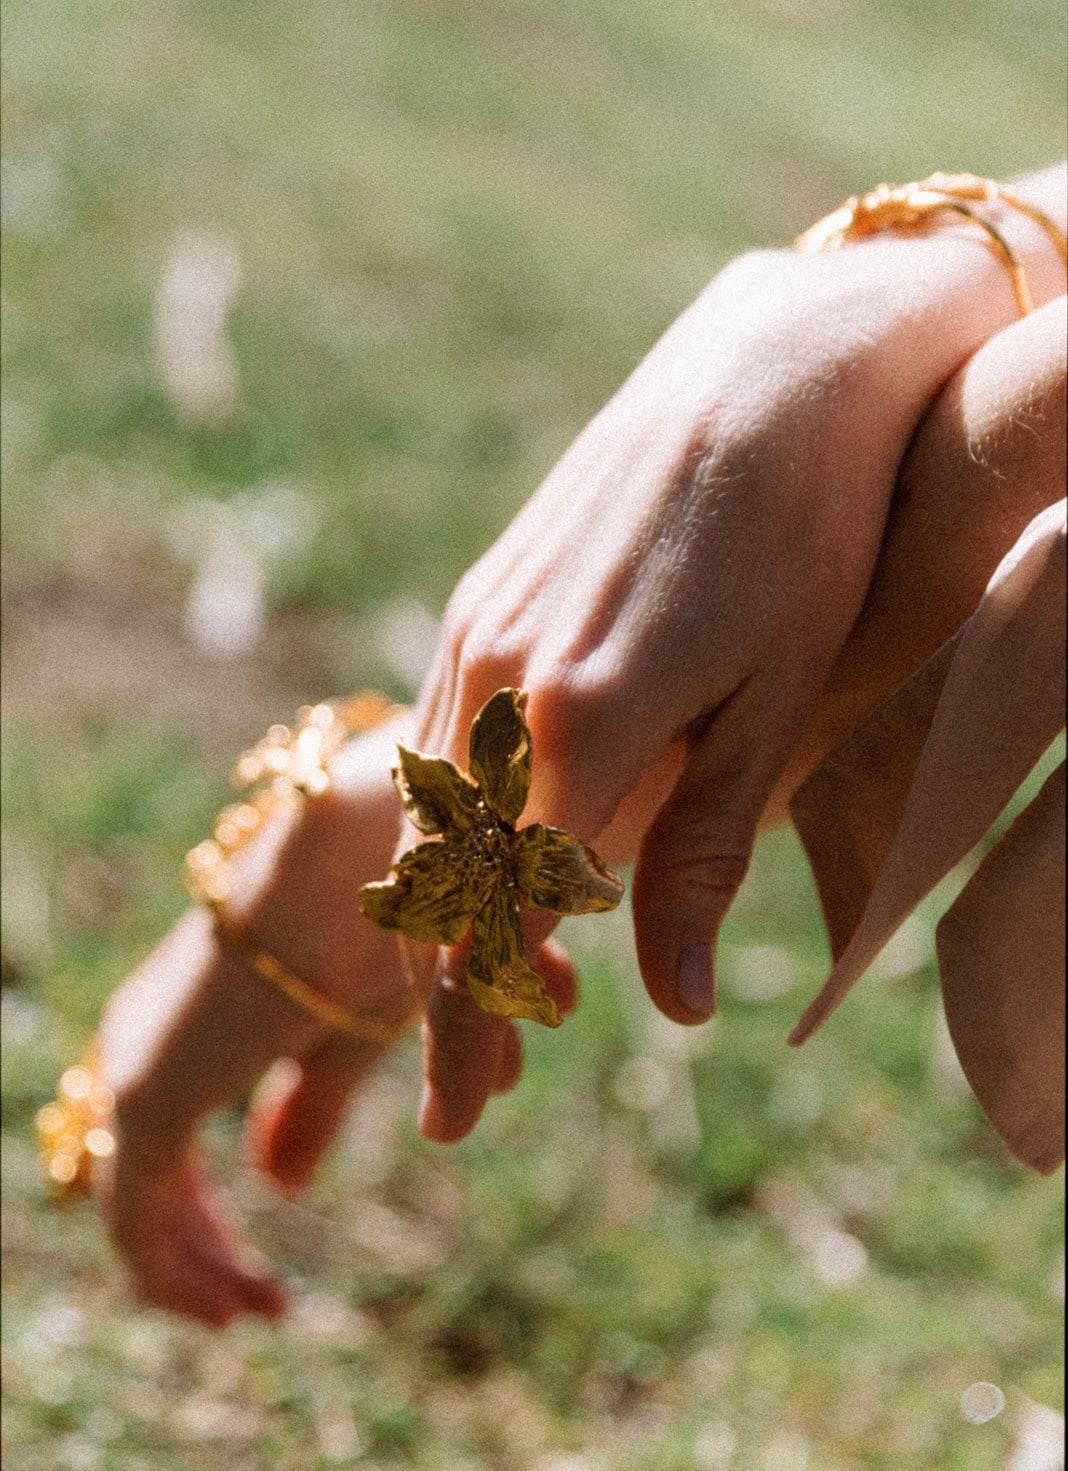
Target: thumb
point(299, 1106)
point(696, 851)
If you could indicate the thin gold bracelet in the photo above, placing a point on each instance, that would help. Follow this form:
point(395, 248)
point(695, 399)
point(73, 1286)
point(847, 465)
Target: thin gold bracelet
point(269, 968)
point(286, 766)
point(908, 206)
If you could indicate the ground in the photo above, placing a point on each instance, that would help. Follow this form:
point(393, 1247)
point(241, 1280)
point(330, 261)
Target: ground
point(435, 237)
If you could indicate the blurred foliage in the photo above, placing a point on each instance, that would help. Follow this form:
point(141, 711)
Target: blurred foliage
point(458, 227)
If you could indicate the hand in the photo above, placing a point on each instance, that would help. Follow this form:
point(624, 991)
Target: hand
point(676, 594)
point(193, 1029)
point(989, 456)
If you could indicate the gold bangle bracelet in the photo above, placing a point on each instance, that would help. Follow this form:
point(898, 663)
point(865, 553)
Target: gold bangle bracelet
point(909, 206)
point(284, 767)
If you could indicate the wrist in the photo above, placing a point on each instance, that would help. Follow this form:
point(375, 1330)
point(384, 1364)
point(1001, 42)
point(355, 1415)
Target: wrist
point(279, 874)
point(954, 236)
point(292, 892)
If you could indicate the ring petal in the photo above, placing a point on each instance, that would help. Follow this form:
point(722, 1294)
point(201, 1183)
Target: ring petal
point(433, 893)
point(437, 796)
point(500, 753)
point(556, 871)
point(500, 979)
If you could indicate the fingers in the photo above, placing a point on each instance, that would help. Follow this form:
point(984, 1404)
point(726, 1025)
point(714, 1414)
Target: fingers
point(989, 455)
point(510, 1069)
point(468, 1054)
point(180, 1248)
point(696, 851)
point(299, 1106)
point(463, 1054)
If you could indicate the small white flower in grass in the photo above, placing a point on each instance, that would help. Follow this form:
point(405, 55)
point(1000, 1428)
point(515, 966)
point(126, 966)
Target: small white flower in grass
point(61, 1321)
point(193, 352)
point(981, 1401)
point(838, 1258)
point(78, 1453)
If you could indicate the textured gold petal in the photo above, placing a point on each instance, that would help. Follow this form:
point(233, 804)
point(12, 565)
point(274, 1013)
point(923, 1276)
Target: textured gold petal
point(500, 753)
point(555, 871)
point(499, 977)
point(433, 893)
point(437, 796)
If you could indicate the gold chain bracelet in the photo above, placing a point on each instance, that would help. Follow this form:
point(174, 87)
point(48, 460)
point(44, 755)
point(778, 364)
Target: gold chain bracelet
point(76, 1128)
point(908, 206)
point(280, 771)
point(286, 766)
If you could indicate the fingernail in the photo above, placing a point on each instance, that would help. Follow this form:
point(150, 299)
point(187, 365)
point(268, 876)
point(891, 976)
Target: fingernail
point(694, 980)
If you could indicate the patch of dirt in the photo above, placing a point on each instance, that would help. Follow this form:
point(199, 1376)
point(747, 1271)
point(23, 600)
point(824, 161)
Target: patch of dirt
point(77, 648)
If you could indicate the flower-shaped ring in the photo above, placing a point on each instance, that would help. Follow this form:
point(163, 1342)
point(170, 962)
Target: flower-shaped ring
point(472, 876)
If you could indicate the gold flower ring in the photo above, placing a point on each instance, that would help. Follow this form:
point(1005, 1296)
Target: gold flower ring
point(476, 868)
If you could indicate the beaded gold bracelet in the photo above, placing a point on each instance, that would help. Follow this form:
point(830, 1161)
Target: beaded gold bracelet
point(909, 206)
point(282, 769)
point(76, 1128)
point(285, 767)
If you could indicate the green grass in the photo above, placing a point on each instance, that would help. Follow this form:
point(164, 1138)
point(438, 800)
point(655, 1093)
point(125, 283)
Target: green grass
point(459, 227)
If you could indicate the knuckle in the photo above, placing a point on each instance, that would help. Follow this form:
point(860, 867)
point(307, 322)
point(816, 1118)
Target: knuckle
point(706, 884)
point(460, 614)
point(573, 704)
point(552, 704)
point(471, 606)
point(583, 752)
point(564, 718)
point(477, 642)
point(482, 666)
point(703, 876)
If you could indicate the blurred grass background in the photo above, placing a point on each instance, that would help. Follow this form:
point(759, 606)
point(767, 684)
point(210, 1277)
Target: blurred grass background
point(303, 302)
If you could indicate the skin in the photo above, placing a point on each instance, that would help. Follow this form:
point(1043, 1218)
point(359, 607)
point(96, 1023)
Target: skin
point(192, 1029)
point(754, 587)
point(739, 484)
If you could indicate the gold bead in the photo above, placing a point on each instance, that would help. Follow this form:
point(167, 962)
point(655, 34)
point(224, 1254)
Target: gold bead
point(62, 1169)
point(76, 1082)
point(100, 1143)
point(51, 1120)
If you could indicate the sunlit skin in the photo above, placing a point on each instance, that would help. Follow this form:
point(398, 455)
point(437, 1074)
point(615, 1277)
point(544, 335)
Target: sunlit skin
point(681, 669)
point(739, 484)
